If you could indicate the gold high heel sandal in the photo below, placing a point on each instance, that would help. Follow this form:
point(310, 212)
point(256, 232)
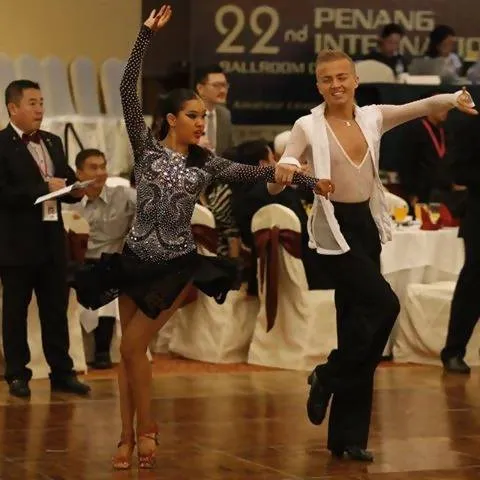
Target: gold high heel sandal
point(124, 461)
point(148, 460)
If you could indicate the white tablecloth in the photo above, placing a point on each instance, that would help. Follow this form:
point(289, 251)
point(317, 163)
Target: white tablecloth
point(420, 256)
point(413, 248)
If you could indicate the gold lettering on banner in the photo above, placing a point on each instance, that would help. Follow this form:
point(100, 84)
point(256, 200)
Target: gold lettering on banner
point(370, 19)
point(347, 42)
point(353, 30)
point(264, 67)
point(231, 32)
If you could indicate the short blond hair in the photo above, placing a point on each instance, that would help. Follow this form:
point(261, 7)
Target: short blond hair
point(329, 55)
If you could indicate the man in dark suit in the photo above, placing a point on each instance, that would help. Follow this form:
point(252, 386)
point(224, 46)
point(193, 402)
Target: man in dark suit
point(427, 173)
point(212, 85)
point(32, 241)
point(465, 309)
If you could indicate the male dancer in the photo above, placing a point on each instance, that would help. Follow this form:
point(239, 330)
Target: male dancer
point(347, 230)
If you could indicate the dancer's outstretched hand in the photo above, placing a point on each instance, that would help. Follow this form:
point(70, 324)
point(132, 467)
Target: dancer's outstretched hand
point(324, 187)
point(465, 103)
point(158, 20)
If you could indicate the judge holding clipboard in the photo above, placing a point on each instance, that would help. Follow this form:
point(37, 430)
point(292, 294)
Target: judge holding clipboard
point(32, 241)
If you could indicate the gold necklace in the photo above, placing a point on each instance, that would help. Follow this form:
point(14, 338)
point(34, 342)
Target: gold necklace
point(348, 123)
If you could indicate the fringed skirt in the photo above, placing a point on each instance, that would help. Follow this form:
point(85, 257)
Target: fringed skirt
point(153, 286)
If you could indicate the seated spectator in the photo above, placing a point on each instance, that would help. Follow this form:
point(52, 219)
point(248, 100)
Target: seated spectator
point(387, 50)
point(217, 198)
point(248, 199)
point(473, 73)
point(442, 45)
point(109, 211)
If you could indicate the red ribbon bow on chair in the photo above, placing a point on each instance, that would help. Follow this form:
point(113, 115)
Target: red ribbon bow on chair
point(206, 237)
point(77, 245)
point(267, 242)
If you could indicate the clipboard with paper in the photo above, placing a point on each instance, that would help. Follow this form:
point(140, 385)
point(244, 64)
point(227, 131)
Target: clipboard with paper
point(63, 191)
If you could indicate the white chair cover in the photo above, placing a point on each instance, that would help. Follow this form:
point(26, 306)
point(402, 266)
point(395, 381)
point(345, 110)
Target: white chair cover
point(420, 79)
point(108, 134)
point(423, 324)
point(304, 332)
point(206, 331)
point(371, 71)
point(111, 73)
point(83, 76)
point(118, 182)
point(28, 67)
point(89, 319)
point(73, 221)
point(7, 75)
point(55, 84)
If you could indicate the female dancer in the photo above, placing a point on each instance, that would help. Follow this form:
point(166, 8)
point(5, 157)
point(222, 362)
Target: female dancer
point(159, 262)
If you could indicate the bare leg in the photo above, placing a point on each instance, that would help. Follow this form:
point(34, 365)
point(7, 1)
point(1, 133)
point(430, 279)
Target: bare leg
point(138, 335)
point(127, 309)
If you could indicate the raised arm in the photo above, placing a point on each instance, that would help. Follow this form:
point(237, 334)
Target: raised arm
point(132, 109)
point(394, 115)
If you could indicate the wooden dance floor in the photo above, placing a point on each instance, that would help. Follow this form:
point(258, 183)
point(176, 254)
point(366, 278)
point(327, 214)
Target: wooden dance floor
point(225, 423)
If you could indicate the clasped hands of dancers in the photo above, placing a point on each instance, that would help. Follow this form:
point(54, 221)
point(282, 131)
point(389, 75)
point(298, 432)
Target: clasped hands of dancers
point(152, 276)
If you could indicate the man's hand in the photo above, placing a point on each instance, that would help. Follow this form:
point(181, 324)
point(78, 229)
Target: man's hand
point(324, 187)
point(55, 184)
point(284, 173)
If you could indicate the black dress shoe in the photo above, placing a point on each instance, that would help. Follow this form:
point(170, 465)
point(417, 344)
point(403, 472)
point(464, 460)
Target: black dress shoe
point(456, 365)
point(353, 453)
point(19, 388)
point(318, 400)
point(69, 384)
point(102, 361)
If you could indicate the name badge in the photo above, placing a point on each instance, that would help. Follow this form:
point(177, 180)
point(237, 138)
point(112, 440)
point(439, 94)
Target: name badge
point(50, 211)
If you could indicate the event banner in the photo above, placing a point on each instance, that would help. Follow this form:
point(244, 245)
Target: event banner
point(268, 48)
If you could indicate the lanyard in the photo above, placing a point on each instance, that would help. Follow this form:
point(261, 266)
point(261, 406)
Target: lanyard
point(440, 146)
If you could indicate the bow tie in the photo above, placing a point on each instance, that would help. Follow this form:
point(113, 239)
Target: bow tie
point(33, 137)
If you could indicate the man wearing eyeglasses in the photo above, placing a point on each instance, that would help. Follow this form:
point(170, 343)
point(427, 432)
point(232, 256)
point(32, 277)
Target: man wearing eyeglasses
point(211, 84)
